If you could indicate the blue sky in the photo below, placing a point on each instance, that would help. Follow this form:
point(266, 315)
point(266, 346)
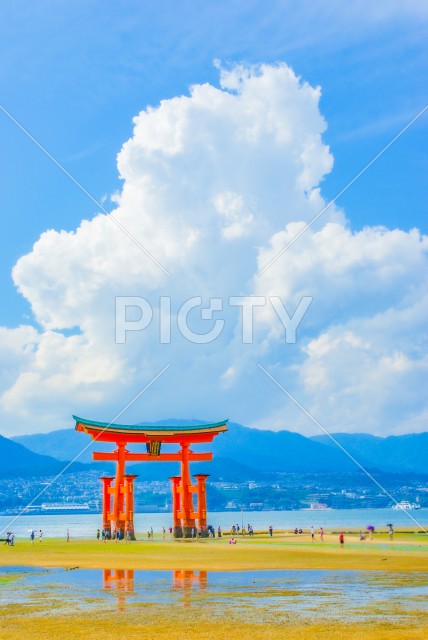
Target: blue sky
point(76, 74)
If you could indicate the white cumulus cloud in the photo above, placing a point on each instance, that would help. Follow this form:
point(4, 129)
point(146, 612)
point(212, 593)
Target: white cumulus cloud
point(215, 184)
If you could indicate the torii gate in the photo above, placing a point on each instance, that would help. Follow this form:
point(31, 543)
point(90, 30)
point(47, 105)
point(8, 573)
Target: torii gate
point(120, 514)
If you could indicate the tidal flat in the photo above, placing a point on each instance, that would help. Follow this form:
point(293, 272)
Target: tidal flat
point(264, 588)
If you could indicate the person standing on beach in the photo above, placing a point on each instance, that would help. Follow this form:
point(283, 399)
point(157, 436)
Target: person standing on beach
point(68, 535)
point(32, 536)
point(342, 540)
point(391, 532)
point(41, 535)
point(270, 531)
point(321, 534)
point(312, 534)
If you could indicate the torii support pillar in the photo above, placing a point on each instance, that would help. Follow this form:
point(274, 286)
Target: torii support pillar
point(202, 501)
point(106, 480)
point(187, 509)
point(176, 506)
point(128, 488)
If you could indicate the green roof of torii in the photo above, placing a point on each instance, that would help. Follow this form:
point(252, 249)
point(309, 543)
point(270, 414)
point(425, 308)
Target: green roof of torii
point(154, 429)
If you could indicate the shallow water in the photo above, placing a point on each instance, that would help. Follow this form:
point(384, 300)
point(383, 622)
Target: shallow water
point(344, 595)
point(85, 525)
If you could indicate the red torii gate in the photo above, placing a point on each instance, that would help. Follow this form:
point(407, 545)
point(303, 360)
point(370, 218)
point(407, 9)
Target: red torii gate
point(120, 514)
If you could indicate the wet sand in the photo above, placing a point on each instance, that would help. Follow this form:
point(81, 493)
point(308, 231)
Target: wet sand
point(195, 608)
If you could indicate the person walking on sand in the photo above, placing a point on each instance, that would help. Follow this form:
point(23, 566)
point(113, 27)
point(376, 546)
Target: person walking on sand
point(68, 535)
point(391, 532)
point(312, 534)
point(40, 535)
point(321, 534)
point(32, 536)
point(270, 531)
point(342, 540)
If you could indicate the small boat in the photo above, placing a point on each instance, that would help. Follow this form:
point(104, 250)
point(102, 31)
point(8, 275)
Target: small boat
point(318, 506)
point(405, 505)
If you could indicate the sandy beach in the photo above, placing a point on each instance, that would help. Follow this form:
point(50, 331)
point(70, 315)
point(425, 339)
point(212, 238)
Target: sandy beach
point(200, 613)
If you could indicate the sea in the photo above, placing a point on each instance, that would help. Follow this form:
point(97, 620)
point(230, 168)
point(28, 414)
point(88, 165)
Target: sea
point(86, 525)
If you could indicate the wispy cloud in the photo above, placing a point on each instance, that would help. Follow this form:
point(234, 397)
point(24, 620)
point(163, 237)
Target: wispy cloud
point(383, 124)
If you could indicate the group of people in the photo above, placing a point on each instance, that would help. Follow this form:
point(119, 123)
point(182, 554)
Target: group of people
point(117, 535)
point(313, 532)
point(127, 535)
point(321, 532)
point(235, 529)
point(210, 532)
point(33, 535)
point(10, 539)
point(321, 535)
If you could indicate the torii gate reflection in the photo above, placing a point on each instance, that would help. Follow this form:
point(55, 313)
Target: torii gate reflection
point(119, 516)
point(122, 580)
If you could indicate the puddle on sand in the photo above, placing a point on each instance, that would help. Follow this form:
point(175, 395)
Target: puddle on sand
point(345, 595)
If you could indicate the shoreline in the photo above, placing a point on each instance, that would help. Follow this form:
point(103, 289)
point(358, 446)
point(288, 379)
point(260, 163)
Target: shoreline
point(406, 553)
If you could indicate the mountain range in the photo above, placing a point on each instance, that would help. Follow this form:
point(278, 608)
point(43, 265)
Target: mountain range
point(240, 454)
point(393, 454)
point(18, 460)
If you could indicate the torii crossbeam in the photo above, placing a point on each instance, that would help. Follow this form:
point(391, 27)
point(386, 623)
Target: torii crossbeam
point(119, 516)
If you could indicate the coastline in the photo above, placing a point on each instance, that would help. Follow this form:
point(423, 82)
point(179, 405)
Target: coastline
point(408, 552)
